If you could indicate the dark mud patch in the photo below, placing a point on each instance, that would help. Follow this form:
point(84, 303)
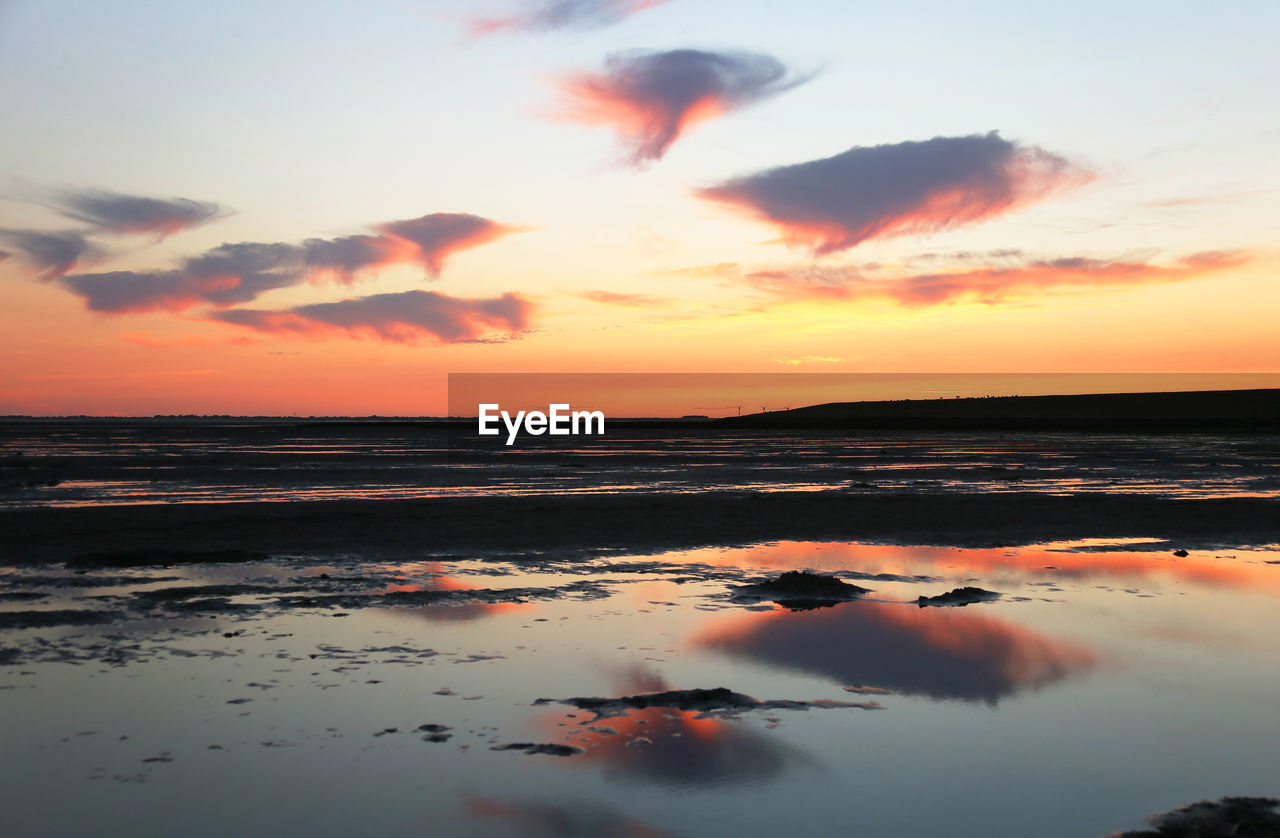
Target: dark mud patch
point(49, 619)
point(211, 606)
point(146, 557)
point(958, 597)
point(546, 748)
point(719, 701)
point(204, 591)
point(1229, 817)
point(800, 589)
point(83, 580)
point(22, 596)
point(886, 577)
point(435, 733)
point(584, 590)
point(640, 522)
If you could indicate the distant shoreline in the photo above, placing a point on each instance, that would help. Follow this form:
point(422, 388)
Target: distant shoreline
point(1256, 410)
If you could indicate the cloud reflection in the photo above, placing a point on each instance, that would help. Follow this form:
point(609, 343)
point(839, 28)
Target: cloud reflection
point(541, 819)
point(462, 612)
point(942, 654)
point(671, 747)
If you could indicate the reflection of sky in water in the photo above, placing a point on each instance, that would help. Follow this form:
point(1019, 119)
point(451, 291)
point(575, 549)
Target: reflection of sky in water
point(100, 463)
point(935, 652)
point(1101, 687)
point(680, 749)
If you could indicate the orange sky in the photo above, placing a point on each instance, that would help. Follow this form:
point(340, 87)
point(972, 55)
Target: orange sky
point(246, 229)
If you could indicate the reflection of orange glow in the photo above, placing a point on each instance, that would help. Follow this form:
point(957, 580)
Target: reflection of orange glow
point(1027, 658)
point(941, 653)
point(452, 612)
point(1039, 563)
point(680, 748)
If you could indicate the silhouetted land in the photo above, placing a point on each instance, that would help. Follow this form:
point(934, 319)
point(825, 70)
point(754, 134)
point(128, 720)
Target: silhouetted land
point(1257, 410)
point(1202, 410)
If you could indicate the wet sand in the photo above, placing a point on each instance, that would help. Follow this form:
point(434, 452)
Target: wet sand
point(637, 522)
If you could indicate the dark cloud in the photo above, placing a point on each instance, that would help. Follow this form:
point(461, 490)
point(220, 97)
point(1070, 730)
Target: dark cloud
point(547, 15)
point(120, 292)
point(50, 254)
point(871, 192)
point(237, 273)
point(226, 275)
point(404, 317)
point(440, 234)
point(651, 98)
point(346, 256)
point(117, 213)
point(232, 274)
point(938, 653)
point(990, 285)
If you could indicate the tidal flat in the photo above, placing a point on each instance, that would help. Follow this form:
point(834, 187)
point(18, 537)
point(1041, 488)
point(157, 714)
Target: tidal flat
point(269, 628)
point(640, 694)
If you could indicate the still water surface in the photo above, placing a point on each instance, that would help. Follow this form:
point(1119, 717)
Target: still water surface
point(1107, 682)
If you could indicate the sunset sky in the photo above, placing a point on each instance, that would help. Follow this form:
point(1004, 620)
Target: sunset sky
point(325, 207)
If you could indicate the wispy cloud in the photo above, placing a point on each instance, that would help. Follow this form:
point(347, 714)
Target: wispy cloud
point(114, 212)
point(718, 269)
point(226, 275)
point(233, 274)
point(871, 192)
point(183, 341)
point(551, 15)
point(50, 255)
point(123, 292)
point(988, 285)
point(346, 257)
point(614, 298)
point(808, 359)
point(405, 317)
point(651, 98)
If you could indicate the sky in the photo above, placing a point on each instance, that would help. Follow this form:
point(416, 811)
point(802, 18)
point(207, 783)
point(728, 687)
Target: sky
point(325, 208)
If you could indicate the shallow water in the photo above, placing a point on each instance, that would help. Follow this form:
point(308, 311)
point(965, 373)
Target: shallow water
point(1106, 683)
point(124, 462)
